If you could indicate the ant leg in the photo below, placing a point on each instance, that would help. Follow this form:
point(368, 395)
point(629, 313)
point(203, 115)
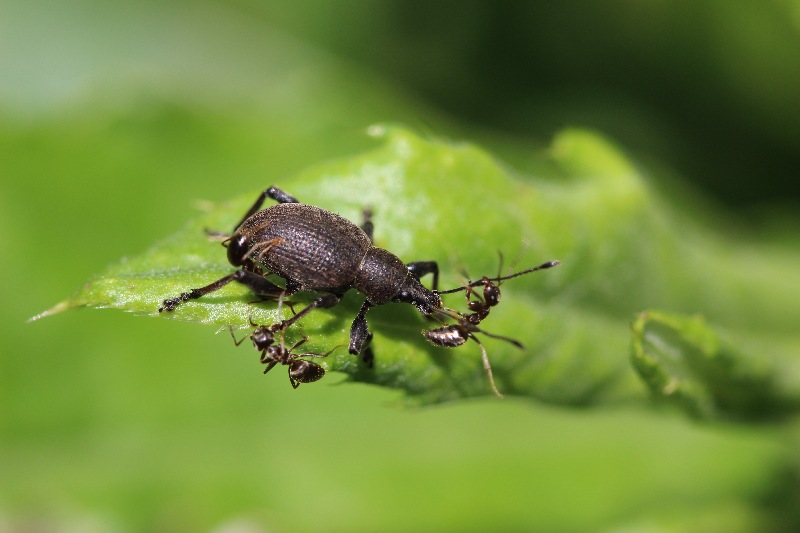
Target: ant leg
point(237, 343)
point(421, 268)
point(487, 367)
point(299, 355)
point(360, 335)
point(270, 365)
point(298, 344)
point(323, 302)
point(367, 224)
point(257, 283)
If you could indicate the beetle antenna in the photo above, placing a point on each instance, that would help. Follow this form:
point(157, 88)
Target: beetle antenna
point(214, 235)
point(444, 314)
point(543, 266)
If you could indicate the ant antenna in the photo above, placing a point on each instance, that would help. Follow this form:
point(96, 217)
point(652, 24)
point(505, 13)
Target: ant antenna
point(500, 337)
point(517, 258)
point(500, 265)
point(543, 266)
point(465, 274)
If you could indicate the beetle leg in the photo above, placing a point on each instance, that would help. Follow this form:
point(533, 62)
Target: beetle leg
point(360, 335)
point(256, 282)
point(255, 207)
point(368, 356)
point(420, 268)
point(324, 301)
point(172, 303)
point(280, 196)
point(260, 285)
point(274, 193)
point(367, 224)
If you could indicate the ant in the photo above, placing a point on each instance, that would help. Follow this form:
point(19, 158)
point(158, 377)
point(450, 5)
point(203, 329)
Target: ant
point(481, 305)
point(300, 370)
point(453, 335)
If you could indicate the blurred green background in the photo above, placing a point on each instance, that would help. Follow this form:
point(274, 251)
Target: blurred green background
point(115, 117)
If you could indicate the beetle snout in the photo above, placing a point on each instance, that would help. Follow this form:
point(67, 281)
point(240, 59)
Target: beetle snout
point(415, 294)
point(432, 300)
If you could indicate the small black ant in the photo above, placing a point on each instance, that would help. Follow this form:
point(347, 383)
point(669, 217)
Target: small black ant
point(481, 306)
point(300, 370)
point(453, 335)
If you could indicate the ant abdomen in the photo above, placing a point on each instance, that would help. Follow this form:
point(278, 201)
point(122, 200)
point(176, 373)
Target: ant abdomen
point(447, 336)
point(301, 371)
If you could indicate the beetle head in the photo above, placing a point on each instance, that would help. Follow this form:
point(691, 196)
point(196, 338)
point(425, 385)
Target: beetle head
point(238, 249)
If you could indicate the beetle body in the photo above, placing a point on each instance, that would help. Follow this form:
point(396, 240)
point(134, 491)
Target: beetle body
point(314, 250)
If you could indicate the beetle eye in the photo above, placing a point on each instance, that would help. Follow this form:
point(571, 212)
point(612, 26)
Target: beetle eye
point(237, 249)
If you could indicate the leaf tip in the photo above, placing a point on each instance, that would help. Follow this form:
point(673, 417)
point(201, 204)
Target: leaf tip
point(58, 308)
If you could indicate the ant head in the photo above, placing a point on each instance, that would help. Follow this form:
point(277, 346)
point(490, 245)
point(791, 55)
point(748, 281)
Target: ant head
point(263, 337)
point(491, 292)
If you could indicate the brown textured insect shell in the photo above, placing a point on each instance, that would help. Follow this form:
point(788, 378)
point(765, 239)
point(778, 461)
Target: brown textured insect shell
point(316, 249)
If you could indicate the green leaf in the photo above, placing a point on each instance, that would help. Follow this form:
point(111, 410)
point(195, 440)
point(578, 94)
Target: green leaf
point(621, 252)
point(684, 361)
point(430, 200)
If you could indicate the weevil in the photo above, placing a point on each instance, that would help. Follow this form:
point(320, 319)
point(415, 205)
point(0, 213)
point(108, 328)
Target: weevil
point(317, 251)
